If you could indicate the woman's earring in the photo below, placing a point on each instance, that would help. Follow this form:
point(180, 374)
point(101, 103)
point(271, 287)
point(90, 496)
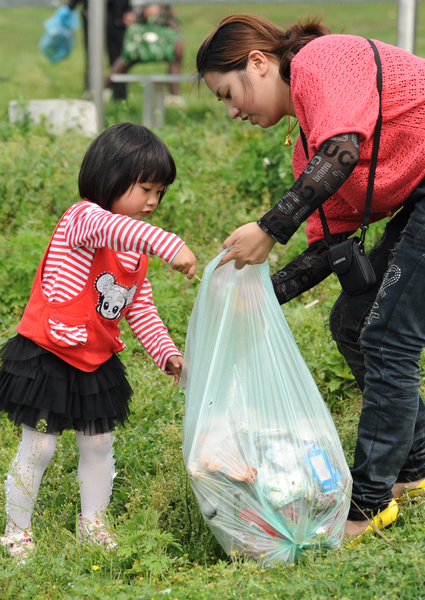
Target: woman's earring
point(288, 141)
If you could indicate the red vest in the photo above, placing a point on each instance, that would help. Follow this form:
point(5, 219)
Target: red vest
point(84, 331)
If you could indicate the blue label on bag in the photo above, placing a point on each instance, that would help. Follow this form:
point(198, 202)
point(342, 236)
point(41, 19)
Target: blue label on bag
point(322, 468)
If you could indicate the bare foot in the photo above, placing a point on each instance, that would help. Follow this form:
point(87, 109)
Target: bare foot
point(400, 488)
point(353, 528)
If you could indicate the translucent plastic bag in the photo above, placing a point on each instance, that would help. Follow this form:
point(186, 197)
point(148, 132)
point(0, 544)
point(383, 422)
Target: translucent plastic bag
point(260, 447)
point(58, 38)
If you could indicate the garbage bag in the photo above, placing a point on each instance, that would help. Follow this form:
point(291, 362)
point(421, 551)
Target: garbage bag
point(58, 38)
point(261, 451)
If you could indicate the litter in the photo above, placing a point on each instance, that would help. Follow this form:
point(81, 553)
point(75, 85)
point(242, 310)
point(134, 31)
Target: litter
point(260, 447)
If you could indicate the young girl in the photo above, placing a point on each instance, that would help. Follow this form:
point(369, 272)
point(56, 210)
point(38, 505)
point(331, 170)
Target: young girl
point(329, 83)
point(61, 370)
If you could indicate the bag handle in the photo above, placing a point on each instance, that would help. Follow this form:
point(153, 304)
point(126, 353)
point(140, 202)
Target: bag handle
point(375, 149)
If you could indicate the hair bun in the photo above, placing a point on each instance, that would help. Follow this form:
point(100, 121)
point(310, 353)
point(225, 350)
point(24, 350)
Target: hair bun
point(313, 28)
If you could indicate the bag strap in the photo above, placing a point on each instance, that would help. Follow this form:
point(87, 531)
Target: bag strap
point(375, 149)
point(376, 140)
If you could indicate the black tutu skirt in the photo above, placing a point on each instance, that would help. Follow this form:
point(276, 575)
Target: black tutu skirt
point(42, 391)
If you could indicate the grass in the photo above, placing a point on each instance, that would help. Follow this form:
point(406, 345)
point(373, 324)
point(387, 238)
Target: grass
point(166, 550)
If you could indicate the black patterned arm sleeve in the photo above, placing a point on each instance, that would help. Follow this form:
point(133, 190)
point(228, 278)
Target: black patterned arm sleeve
point(304, 272)
point(329, 168)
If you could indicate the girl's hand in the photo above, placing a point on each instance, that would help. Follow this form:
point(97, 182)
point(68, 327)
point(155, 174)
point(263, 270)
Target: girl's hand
point(251, 246)
point(185, 262)
point(175, 364)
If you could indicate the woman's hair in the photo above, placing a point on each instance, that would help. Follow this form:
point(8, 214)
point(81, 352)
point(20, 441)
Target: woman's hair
point(121, 156)
point(228, 46)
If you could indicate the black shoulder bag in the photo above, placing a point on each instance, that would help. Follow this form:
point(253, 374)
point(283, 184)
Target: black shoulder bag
point(349, 259)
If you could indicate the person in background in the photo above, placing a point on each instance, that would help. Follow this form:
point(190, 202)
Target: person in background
point(162, 43)
point(263, 74)
point(118, 16)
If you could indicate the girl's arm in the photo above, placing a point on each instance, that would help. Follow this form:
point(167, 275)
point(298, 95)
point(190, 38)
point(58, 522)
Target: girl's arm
point(329, 168)
point(92, 226)
point(149, 329)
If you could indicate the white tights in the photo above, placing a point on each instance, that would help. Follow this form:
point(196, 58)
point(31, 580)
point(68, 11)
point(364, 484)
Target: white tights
point(95, 473)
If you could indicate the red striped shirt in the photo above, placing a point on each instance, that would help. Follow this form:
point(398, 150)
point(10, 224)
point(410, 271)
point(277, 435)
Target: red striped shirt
point(84, 228)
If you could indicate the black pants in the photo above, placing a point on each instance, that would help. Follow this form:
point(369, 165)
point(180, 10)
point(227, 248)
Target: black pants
point(114, 40)
point(381, 334)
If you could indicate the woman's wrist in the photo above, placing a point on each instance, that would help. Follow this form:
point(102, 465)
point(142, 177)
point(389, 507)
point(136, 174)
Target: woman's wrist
point(264, 227)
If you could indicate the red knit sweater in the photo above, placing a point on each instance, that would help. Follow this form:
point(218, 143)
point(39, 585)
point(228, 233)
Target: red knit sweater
point(333, 86)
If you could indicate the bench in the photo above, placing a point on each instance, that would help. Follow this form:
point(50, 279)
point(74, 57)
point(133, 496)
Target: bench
point(153, 105)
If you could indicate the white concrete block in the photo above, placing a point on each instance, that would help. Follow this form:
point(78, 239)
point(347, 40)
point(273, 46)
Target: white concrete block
point(59, 115)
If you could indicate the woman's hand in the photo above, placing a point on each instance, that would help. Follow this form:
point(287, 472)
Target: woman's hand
point(251, 246)
point(175, 364)
point(184, 262)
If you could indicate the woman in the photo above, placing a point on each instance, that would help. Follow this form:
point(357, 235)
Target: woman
point(328, 82)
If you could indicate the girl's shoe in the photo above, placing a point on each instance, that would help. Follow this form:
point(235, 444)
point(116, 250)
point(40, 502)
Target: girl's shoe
point(19, 544)
point(383, 519)
point(95, 532)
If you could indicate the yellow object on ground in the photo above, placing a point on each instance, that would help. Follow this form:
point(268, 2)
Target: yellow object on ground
point(383, 519)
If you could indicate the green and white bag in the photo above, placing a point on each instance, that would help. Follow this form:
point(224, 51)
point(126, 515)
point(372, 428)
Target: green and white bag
point(149, 43)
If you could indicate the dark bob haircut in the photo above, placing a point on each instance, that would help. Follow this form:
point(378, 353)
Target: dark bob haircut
point(120, 157)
